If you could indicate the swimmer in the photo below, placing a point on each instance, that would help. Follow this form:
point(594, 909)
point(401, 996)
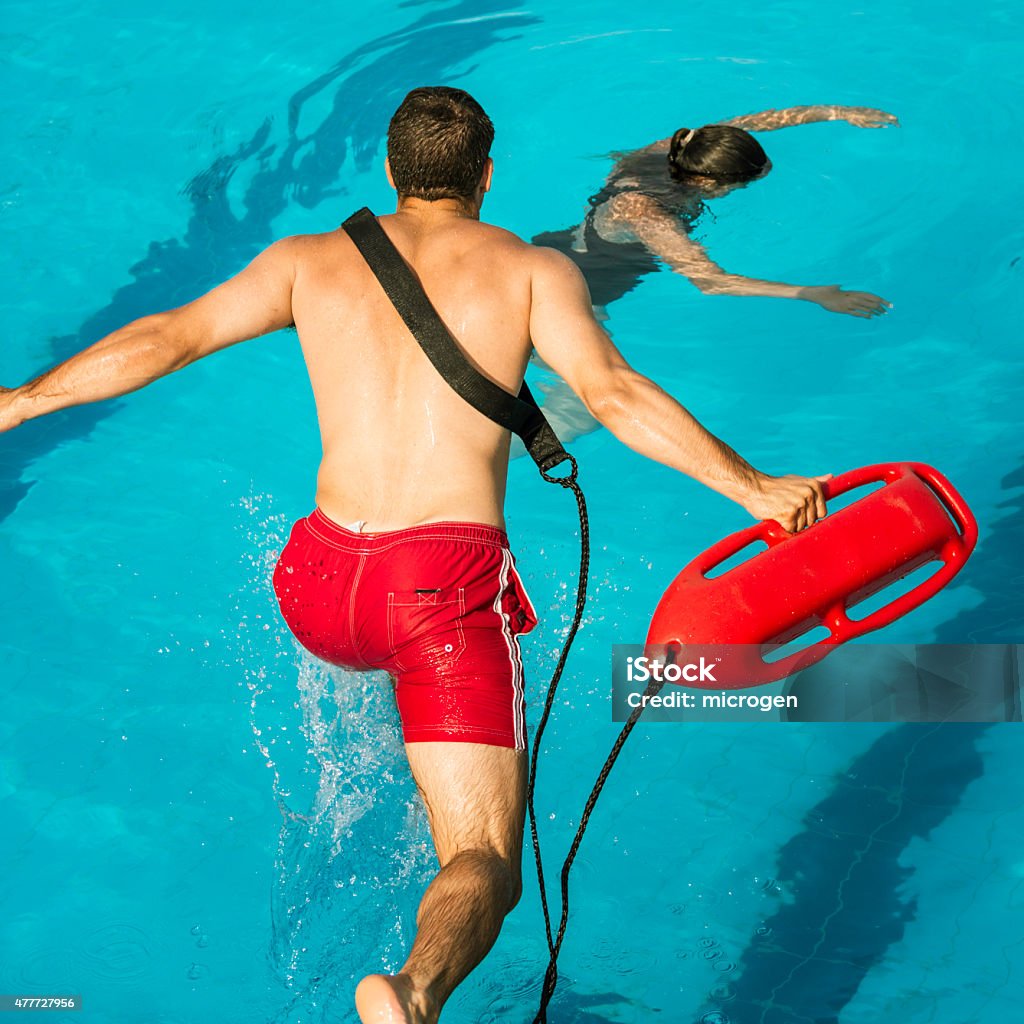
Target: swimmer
point(653, 197)
point(404, 564)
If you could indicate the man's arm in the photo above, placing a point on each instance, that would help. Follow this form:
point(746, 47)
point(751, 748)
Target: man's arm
point(254, 302)
point(639, 413)
point(662, 233)
point(772, 120)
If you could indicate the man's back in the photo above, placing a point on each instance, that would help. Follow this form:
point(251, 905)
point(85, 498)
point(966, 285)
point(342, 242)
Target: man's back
point(400, 447)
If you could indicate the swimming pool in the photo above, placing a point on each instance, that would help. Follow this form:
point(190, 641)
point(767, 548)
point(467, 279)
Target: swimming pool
point(199, 824)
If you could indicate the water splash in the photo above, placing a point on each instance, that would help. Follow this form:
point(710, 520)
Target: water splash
point(353, 849)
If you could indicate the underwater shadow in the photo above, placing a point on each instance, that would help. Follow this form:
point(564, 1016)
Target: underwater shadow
point(996, 570)
point(806, 962)
point(367, 83)
point(569, 1007)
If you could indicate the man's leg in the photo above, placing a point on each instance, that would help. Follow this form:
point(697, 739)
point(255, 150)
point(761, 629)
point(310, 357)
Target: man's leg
point(475, 797)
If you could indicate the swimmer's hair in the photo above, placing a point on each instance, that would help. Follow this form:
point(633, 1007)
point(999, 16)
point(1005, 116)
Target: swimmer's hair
point(438, 143)
point(719, 151)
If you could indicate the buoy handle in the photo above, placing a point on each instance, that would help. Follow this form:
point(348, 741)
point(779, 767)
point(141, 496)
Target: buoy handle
point(953, 555)
point(953, 502)
point(736, 542)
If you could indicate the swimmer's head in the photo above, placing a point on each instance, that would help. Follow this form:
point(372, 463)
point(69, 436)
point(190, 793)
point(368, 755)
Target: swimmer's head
point(438, 145)
point(726, 154)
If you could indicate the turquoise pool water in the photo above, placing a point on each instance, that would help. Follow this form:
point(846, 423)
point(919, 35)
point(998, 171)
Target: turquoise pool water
point(201, 824)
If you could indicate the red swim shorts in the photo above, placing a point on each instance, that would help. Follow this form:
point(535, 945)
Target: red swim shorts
point(439, 606)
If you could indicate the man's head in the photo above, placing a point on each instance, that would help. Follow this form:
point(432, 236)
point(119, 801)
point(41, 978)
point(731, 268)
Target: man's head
point(438, 145)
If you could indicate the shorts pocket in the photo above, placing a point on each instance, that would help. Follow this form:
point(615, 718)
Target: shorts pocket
point(524, 617)
point(425, 628)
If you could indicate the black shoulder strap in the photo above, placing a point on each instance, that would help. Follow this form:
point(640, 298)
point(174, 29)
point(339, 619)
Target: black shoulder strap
point(519, 414)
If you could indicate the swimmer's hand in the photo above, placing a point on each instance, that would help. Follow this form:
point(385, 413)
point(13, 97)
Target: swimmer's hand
point(794, 502)
point(868, 117)
point(835, 300)
point(9, 416)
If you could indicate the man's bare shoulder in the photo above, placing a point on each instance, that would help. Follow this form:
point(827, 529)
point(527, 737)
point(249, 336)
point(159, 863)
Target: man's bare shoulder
point(312, 243)
point(539, 262)
point(500, 240)
point(292, 248)
point(551, 263)
point(498, 246)
point(499, 234)
point(318, 249)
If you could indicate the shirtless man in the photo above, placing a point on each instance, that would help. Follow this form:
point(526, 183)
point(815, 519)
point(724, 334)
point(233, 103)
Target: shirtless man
point(421, 582)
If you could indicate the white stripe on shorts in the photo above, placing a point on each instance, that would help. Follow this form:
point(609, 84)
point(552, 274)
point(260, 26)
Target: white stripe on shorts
point(514, 654)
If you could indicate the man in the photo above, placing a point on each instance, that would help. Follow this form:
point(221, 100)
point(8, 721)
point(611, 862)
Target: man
point(420, 581)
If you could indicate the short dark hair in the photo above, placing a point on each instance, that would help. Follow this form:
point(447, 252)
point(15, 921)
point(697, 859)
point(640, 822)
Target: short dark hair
point(720, 151)
point(438, 143)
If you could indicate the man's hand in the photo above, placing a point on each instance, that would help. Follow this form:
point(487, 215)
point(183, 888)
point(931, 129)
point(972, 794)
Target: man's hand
point(253, 302)
point(640, 413)
point(835, 300)
point(8, 417)
point(868, 117)
point(794, 502)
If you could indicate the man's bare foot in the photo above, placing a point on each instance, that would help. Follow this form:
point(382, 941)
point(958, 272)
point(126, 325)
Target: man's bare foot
point(389, 999)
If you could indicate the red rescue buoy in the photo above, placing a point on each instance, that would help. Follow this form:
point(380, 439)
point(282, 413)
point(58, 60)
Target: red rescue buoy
point(814, 577)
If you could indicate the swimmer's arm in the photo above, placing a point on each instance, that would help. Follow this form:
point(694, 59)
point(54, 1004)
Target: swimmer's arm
point(665, 237)
point(254, 302)
point(642, 415)
point(772, 120)
point(788, 117)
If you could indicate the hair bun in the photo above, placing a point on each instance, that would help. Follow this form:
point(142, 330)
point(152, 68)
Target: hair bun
point(681, 137)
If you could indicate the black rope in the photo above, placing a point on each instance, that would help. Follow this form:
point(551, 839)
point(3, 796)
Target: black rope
point(551, 975)
point(555, 942)
point(581, 599)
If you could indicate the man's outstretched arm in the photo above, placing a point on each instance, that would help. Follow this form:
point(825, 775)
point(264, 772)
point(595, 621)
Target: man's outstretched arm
point(639, 413)
point(254, 302)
